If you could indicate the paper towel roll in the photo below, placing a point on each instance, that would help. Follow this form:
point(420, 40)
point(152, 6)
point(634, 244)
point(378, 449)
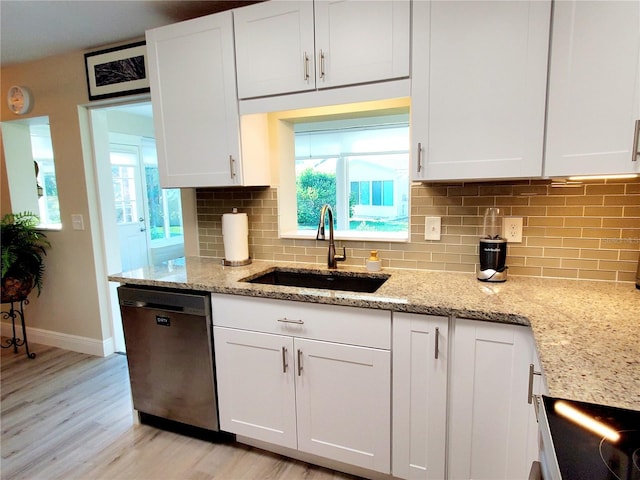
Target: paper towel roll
point(235, 236)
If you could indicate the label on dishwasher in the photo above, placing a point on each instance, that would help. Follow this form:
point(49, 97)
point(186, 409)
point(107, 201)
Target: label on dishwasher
point(163, 321)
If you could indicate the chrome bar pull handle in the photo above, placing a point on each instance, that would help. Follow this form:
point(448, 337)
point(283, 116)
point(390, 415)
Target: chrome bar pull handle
point(419, 157)
point(306, 67)
point(635, 151)
point(322, 74)
point(299, 362)
point(532, 372)
point(232, 167)
point(284, 360)
point(437, 342)
point(287, 320)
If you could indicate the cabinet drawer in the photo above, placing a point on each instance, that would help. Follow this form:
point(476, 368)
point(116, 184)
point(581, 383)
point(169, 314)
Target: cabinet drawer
point(354, 326)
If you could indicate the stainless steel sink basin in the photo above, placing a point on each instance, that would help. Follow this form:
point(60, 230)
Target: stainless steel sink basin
point(330, 280)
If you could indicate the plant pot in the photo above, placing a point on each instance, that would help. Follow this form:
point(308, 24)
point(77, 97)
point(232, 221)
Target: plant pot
point(16, 289)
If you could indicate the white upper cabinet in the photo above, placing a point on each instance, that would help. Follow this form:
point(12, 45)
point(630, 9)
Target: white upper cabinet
point(479, 72)
point(594, 89)
point(274, 48)
point(296, 46)
point(195, 106)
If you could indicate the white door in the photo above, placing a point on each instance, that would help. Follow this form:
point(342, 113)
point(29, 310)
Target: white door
point(490, 419)
point(344, 403)
point(361, 41)
point(274, 48)
point(130, 206)
point(256, 387)
point(479, 76)
point(420, 356)
point(195, 106)
point(594, 88)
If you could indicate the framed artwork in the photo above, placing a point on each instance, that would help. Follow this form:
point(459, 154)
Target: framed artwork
point(117, 71)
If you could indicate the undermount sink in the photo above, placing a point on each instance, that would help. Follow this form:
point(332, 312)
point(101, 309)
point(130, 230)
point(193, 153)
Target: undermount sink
point(331, 280)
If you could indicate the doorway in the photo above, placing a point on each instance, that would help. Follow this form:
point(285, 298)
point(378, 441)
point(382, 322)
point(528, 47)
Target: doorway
point(141, 222)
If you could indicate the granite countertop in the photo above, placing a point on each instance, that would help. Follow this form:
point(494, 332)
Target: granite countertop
point(587, 333)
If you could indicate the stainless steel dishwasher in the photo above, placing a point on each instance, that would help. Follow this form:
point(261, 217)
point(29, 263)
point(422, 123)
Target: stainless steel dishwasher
point(168, 336)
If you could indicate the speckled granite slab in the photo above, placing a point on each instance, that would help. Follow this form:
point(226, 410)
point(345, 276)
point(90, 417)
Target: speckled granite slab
point(587, 333)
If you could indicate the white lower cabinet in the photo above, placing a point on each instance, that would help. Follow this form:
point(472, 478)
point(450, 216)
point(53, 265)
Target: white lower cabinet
point(320, 397)
point(256, 391)
point(491, 423)
point(317, 379)
point(420, 355)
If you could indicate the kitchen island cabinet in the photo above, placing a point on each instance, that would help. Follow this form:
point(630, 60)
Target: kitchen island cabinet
point(296, 46)
point(195, 107)
point(594, 89)
point(478, 87)
point(281, 381)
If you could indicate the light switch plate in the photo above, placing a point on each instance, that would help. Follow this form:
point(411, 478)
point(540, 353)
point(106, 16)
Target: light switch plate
point(432, 228)
point(512, 229)
point(77, 221)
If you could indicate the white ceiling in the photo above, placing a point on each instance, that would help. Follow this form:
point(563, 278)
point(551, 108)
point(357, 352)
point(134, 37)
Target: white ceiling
point(34, 29)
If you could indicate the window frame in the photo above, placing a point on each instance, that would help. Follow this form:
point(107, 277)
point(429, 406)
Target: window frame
point(287, 197)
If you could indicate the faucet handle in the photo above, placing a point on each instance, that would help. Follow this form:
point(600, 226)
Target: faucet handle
point(343, 257)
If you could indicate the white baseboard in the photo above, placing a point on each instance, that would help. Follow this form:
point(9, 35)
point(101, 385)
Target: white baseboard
point(75, 343)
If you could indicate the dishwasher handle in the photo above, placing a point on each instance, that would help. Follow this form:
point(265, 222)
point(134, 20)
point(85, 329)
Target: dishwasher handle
point(156, 306)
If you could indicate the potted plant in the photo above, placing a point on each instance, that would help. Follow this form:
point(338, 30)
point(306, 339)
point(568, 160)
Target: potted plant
point(22, 250)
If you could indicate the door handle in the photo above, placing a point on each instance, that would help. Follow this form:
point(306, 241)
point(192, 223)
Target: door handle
point(635, 151)
point(306, 66)
point(299, 362)
point(419, 157)
point(532, 372)
point(322, 73)
point(437, 341)
point(284, 360)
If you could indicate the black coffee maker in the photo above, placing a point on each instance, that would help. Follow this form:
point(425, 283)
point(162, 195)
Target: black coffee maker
point(493, 248)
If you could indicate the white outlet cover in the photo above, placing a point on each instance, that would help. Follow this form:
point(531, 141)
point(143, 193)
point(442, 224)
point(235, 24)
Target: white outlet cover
point(512, 229)
point(432, 228)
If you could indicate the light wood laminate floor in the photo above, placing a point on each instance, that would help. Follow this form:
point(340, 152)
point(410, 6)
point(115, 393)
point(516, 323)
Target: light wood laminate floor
point(67, 415)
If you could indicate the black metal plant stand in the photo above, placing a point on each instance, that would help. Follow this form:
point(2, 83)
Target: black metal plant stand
point(15, 342)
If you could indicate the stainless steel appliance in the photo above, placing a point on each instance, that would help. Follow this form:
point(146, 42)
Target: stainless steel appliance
point(169, 338)
point(493, 248)
point(586, 441)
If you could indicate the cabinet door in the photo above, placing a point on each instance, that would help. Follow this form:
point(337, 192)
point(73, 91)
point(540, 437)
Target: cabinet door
point(195, 108)
point(344, 403)
point(274, 48)
point(419, 395)
point(361, 41)
point(594, 88)
point(490, 419)
point(256, 387)
point(478, 89)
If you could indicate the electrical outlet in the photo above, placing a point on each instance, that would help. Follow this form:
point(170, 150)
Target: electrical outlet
point(432, 228)
point(512, 229)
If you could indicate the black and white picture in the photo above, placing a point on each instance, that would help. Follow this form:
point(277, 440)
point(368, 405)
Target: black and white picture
point(117, 71)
